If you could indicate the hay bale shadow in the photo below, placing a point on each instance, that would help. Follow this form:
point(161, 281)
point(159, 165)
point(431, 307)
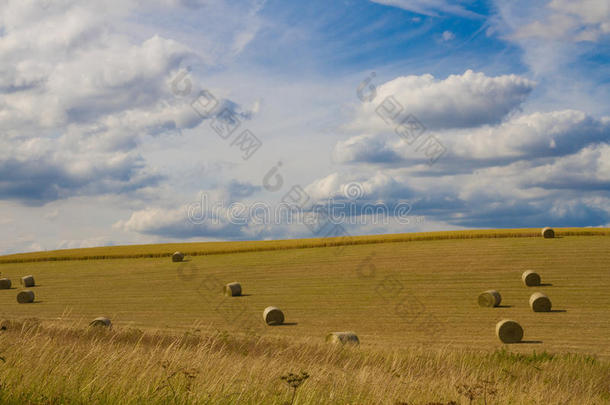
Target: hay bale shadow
point(532, 342)
point(544, 285)
point(285, 324)
point(504, 306)
point(558, 310)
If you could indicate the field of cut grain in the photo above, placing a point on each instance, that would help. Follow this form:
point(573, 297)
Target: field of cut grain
point(412, 302)
point(211, 248)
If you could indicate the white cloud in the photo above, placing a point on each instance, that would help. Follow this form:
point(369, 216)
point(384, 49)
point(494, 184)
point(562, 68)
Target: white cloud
point(430, 7)
point(51, 215)
point(83, 243)
point(80, 89)
point(533, 169)
point(459, 101)
point(80, 92)
point(588, 170)
point(366, 149)
point(570, 190)
point(448, 35)
point(559, 43)
point(585, 20)
point(524, 137)
point(39, 170)
point(531, 136)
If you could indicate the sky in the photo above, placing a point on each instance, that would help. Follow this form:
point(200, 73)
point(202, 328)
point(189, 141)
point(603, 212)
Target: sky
point(150, 121)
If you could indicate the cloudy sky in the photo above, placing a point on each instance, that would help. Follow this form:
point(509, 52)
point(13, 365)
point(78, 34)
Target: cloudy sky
point(139, 121)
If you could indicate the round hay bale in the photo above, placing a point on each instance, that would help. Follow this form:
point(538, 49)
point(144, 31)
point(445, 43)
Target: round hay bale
point(28, 281)
point(343, 338)
point(5, 283)
point(25, 297)
point(177, 257)
point(101, 321)
point(530, 278)
point(490, 298)
point(548, 233)
point(273, 316)
point(539, 302)
point(509, 331)
point(232, 289)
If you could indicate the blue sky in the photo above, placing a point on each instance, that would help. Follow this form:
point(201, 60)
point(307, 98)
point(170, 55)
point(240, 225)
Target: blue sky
point(98, 148)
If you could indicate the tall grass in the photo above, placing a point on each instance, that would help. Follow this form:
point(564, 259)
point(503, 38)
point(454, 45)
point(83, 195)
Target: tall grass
point(70, 364)
point(212, 248)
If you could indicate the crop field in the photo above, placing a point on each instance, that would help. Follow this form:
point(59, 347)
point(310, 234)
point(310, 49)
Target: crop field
point(412, 300)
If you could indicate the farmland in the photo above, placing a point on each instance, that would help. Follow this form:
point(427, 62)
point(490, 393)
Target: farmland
point(412, 300)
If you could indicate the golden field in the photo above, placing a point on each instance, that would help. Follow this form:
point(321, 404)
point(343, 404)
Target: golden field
point(411, 298)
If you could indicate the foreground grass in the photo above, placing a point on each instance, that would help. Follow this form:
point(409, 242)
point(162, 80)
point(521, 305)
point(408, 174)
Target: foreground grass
point(72, 364)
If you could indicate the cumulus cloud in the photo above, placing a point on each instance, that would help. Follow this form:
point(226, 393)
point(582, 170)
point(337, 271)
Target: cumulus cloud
point(531, 136)
point(571, 190)
point(337, 186)
point(366, 149)
point(524, 137)
point(38, 170)
point(218, 213)
point(530, 169)
point(586, 171)
point(459, 101)
point(219, 223)
point(81, 71)
point(174, 223)
point(343, 204)
point(80, 93)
